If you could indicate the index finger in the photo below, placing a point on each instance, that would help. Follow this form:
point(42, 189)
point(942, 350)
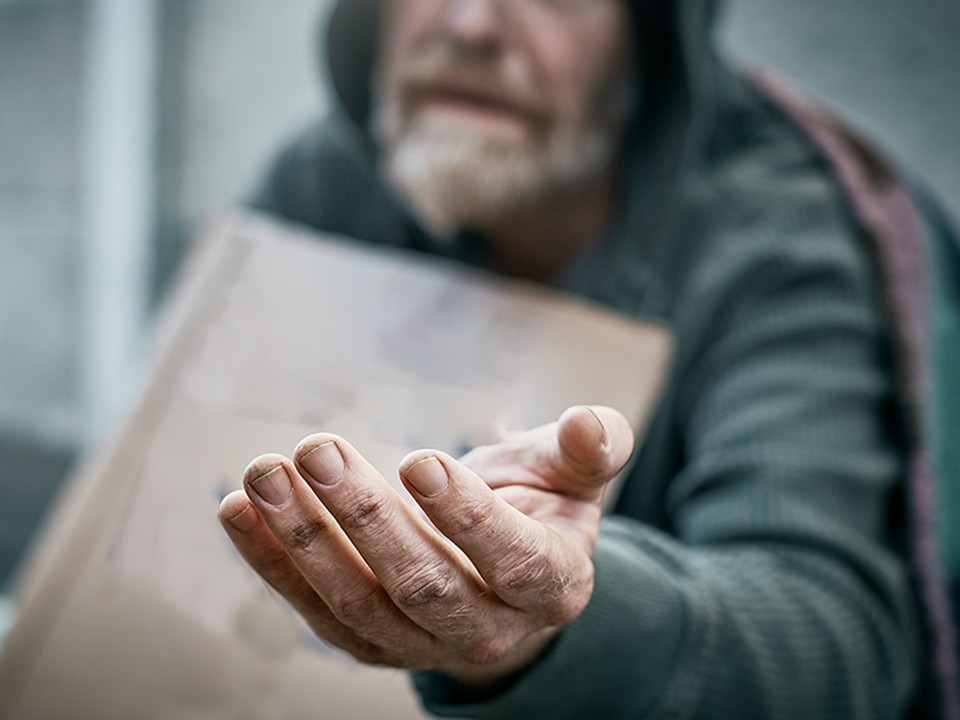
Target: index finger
point(526, 563)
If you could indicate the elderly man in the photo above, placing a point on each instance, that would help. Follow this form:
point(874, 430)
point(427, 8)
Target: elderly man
point(754, 563)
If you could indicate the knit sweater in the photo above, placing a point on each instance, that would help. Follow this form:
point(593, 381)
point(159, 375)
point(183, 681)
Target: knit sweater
point(755, 565)
point(752, 568)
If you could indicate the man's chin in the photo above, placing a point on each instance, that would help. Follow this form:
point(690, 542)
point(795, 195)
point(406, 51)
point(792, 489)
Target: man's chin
point(454, 176)
point(450, 201)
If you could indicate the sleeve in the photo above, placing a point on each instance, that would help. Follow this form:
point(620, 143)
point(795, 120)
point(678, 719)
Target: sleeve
point(780, 590)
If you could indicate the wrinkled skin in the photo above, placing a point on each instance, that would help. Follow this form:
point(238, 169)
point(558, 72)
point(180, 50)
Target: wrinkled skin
point(480, 592)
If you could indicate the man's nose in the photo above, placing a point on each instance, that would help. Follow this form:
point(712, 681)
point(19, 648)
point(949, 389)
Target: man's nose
point(476, 24)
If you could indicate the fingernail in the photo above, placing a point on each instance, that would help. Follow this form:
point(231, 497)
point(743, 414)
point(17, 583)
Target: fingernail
point(603, 430)
point(244, 520)
point(324, 463)
point(428, 477)
point(273, 487)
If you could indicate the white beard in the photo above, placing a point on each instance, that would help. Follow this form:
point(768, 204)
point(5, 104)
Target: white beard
point(455, 178)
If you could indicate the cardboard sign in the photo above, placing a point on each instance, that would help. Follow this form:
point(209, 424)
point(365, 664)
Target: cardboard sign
point(136, 604)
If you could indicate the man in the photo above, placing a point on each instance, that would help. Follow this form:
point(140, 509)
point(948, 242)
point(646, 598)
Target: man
point(754, 565)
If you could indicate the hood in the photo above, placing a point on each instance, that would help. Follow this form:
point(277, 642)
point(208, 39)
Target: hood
point(663, 148)
point(676, 59)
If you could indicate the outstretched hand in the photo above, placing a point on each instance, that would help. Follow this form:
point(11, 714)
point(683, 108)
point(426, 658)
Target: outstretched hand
point(479, 599)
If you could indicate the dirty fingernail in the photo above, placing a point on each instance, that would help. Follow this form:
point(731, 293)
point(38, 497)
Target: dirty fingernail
point(428, 476)
point(245, 520)
point(324, 463)
point(273, 487)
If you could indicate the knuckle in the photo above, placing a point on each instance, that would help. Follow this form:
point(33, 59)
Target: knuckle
point(560, 592)
point(303, 534)
point(528, 574)
point(569, 600)
point(425, 589)
point(369, 509)
point(358, 611)
point(472, 516)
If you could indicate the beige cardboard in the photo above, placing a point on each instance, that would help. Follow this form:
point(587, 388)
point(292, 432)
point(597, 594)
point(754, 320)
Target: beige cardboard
point(136, 605)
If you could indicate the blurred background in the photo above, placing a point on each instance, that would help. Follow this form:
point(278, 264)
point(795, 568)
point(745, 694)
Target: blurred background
point(125, 123)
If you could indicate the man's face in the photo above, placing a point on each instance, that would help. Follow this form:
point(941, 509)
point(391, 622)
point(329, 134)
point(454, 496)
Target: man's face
point(487, 108)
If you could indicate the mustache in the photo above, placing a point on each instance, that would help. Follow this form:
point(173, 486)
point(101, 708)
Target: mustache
point(485, 82)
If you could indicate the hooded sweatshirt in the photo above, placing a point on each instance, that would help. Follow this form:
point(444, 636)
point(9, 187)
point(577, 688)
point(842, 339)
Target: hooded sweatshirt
point(755, 565)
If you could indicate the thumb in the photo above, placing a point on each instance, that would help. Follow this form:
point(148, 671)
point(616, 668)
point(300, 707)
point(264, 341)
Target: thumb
point(594, 442)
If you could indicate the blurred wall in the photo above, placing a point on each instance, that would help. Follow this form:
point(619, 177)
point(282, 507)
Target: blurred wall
point(40, 50)
point(238, 76)
point(233, 79)
point(889, 66)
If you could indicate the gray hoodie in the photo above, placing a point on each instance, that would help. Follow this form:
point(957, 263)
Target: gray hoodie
point(757, 563)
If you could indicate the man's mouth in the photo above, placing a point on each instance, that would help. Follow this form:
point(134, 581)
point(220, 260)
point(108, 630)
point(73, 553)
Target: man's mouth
point(472, 104)
point(470, 100)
